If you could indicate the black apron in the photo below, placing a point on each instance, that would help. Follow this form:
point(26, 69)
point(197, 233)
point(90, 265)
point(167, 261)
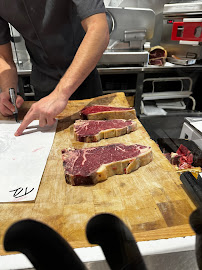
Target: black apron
point(90, 88)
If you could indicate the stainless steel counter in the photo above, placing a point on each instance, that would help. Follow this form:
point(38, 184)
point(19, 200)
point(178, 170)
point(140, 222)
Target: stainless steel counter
point(184, 260)
point(149, 69)
point(26, 68)
point(172, 261)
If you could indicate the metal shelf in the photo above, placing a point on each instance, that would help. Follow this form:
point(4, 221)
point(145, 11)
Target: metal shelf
point(127, 91)
point(141, 71)
point(148, 69)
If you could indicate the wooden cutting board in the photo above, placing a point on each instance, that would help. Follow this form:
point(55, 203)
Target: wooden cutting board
point(151, 200)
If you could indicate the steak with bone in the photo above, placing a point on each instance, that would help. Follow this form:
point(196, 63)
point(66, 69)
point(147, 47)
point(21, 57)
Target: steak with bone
point(101, 112)
point(88, 166)
point(95, 130)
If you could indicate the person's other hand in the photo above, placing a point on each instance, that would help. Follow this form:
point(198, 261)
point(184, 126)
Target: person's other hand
point(6, 107)
point(45, 110)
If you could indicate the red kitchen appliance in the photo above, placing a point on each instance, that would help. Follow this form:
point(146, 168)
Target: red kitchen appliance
point(187, 30)
point(182, 29)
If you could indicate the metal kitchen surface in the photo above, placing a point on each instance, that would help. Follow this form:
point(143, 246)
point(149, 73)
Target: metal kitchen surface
point(183, 8)
point(173, 261)
point(183, 260)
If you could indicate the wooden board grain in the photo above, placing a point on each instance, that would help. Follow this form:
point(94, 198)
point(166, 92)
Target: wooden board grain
point(151, 200)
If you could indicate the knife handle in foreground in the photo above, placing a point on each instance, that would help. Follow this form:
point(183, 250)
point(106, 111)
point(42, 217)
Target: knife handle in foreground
point(191, 186)
point(196, 224)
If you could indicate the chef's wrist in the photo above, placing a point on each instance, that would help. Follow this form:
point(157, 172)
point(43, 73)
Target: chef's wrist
point(63, 92)
point(66, 88)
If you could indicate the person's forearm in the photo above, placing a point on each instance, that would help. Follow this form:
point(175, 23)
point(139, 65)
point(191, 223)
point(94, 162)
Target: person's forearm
point(8, 79)
point(8, 75)
point(86, 58)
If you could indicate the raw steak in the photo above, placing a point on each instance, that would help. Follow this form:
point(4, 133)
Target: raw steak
point(183, 158)
point(157, 56)
point(91, 165)
point(95, 130)
point(100, 112)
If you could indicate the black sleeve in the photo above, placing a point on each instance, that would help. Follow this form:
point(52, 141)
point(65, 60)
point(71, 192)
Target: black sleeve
point(4, 32)
point(87, 8)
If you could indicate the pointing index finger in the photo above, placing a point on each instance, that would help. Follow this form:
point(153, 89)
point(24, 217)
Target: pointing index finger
point(26, 121)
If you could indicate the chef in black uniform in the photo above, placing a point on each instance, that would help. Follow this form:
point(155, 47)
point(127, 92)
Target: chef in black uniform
point(65, 40)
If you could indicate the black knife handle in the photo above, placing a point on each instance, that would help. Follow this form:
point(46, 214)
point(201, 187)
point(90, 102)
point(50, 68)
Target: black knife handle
point(199, 180)
point(196, 224)
point(117, 242)
point(44, 247)
point(192, 187)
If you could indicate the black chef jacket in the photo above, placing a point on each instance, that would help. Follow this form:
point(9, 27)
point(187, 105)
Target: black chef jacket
point(52, 31)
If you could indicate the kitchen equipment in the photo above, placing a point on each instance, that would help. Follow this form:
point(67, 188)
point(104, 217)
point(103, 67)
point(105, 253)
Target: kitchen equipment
point(130, 30)
point(188, 30)
point(181, 61)
point(23, 64)
point(150, 200)
point(192, 130)
point(20, 54)
point(166, 93)
point(155, 5)
point(182, 29)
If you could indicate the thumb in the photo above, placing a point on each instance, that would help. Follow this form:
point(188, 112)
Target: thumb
point(19, 101)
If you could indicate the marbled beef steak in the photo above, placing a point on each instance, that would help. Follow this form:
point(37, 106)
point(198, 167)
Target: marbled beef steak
point(95, 130)
point(101, 112)
point(91, 165)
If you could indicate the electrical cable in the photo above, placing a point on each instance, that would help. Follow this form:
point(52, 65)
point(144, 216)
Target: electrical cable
point(194, 102)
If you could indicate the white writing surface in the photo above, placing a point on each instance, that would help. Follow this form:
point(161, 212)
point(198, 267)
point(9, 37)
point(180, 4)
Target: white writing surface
point(23, 159)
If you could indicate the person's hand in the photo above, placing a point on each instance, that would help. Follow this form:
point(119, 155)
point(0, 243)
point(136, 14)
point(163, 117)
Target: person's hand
point(45, 110)
point(6, 107)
